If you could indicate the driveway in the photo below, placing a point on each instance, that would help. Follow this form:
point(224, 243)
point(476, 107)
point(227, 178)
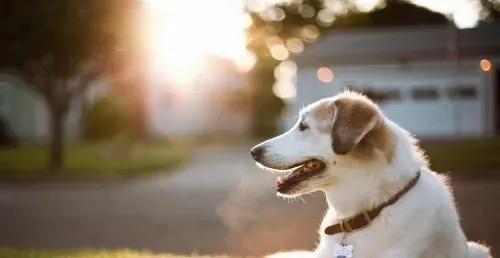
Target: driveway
point(219, 203)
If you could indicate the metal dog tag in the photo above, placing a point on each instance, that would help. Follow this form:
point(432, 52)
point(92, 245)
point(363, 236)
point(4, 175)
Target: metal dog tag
point(343, 251)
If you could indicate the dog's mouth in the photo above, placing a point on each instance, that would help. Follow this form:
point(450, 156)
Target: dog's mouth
point(300, 172)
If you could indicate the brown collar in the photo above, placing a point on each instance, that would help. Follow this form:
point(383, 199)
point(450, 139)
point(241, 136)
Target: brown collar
point(365, 218)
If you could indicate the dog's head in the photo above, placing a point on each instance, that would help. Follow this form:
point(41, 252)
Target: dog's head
point(332, 137)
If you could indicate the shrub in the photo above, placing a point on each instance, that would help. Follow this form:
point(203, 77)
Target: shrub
point(107, 117)
point(267, 109)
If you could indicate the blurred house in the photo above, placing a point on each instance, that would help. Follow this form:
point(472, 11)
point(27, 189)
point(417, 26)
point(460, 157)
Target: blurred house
point(436, 81)
point(26, 114)
point(189, 109)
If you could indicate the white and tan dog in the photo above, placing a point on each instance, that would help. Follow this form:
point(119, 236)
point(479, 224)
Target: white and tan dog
point(374, 177)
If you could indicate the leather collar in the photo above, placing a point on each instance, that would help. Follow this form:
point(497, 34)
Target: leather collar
point(364, 219)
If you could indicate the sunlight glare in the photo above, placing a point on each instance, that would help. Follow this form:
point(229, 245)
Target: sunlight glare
point(247, 62)
point(258, 6)
point(185, 32)
point(464, 13)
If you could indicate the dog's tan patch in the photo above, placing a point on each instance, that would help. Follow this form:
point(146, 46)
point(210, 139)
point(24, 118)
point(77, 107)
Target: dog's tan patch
point(359, 128)
point(378, 140)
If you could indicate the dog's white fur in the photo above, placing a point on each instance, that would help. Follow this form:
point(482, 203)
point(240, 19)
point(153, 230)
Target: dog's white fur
point(424, 223)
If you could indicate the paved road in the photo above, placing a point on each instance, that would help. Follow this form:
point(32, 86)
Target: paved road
point(219, 203)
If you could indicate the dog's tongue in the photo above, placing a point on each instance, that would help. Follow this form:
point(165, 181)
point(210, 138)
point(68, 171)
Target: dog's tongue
point(305, 168)
point(296, 173)
point(279, 181)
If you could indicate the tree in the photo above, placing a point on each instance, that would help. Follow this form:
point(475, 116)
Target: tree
point(307, 20)
point(60, 48)
point(288, 19)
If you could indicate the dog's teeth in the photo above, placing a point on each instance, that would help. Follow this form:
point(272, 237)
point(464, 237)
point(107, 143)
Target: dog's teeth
point(280, 180)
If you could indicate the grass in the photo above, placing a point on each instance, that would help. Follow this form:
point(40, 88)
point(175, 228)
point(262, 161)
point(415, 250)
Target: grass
point(12, 253)
point(91, 161)
point(465, 156)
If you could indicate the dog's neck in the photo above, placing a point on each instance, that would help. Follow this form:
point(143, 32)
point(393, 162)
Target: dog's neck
point(363, 190)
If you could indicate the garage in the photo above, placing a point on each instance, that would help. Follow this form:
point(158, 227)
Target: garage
point(419, 85)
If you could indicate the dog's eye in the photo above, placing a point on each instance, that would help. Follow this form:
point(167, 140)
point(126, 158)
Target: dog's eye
point(303, 126)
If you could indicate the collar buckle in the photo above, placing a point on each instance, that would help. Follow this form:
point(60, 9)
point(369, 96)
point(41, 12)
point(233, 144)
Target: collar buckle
point(367, 217)
point(345, 227)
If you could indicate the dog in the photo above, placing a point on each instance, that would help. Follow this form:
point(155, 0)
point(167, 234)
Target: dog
point(384, 201)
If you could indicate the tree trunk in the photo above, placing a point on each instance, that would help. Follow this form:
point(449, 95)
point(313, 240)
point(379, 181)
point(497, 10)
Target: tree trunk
point(56, 155)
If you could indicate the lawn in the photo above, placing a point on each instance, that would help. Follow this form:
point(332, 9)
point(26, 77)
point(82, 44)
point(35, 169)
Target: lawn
point(12, 253)
point(91, 161)
point(465, 156)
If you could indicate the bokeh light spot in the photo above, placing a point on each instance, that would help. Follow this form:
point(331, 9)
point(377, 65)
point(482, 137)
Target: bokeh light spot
point(286, 76)
point(274, 41)
point(279, 52)
point(307, 11)
point(284, 90)
point(286, 70)
point(325, 74)
point(295, 45)
point(337, 7)
point(367, 5)
point(485, 65)
point(310, 33)
point(273, 14)
point(325, 17)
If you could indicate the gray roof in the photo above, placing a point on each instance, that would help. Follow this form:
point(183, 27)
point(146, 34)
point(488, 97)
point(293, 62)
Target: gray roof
point(382, 45)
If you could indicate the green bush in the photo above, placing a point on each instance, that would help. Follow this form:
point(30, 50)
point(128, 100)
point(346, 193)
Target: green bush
point(107, 117)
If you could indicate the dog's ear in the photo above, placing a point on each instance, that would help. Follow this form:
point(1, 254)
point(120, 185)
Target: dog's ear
point(352, 121)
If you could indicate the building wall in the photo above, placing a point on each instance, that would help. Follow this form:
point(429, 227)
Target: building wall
point(411, 89)
point(17, 107)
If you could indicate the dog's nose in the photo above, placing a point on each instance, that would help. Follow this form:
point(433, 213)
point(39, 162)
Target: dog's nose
point(257, 152)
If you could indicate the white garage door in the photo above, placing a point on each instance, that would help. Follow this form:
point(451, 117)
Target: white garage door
point(432, 107)
point(428, 102)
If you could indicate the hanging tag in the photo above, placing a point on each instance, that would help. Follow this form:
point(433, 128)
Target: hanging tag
point(343, 251)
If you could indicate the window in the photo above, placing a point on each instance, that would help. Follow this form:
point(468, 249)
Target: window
point(462, 92)
point(383, 95)
point(425, 93)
